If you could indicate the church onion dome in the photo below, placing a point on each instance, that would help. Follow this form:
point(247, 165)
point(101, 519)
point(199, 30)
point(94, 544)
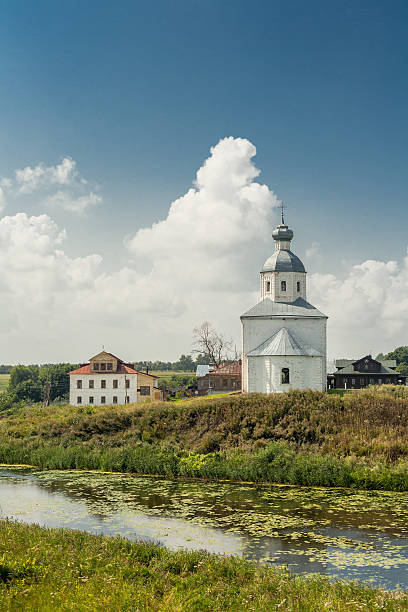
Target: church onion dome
point(282, 232)
point(283, 261)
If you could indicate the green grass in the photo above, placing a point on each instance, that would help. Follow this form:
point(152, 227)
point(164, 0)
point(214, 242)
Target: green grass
point(4, 380)
point(358, 439)
point(46, 570)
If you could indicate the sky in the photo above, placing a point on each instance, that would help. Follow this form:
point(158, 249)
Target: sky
point(145, 146)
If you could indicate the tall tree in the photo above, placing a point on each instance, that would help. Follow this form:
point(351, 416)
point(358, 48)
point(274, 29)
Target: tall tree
point(210, 343)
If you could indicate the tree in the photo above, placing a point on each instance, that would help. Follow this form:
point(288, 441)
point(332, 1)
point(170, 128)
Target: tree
point(400, 355)
point(210, 343)
point(57, 375)
point(20, 373)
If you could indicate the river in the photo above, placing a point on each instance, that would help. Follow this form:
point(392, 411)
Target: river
point(361, 535)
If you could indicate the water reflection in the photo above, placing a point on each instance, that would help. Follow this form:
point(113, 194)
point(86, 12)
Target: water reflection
point(343, 534)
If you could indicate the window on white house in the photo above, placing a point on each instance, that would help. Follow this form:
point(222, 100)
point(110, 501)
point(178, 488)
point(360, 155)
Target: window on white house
point(103, 384)
point(91, 384)
point(103, 399)
point(127, 383)
point(91, 400)
point(268, 286)
point(298, 285)
point(285, 376)
point(103, 366)
point(127, 399)
point(115, 399)
point(79, 399)
point(283, 285)
point(109, 366)
point(79, 384)
point(115, 384)
point(96, 366)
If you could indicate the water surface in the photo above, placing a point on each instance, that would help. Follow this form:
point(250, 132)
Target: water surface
point(348, 534)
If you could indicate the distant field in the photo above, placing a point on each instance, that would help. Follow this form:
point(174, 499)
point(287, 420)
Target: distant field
point(166, 374)
point(4, 378)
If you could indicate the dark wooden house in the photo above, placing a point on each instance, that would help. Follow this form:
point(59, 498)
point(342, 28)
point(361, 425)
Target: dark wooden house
point(225, 378)
point(360, 373)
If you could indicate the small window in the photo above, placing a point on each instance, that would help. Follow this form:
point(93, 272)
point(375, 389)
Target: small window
point(109, 366)
point(103, 399)
point(285, 376)
point(145, 390)
point(115, 399)
point(115, 384)
point(380, 381)
point(233, 383)
point(103, 384)
point(127, 383)
point(96, 366)
point(362, 382)
point(79, 384)
point(268, 286)
point(103, 366)
point(79, 399)
point(127, 399)
point(225, 382)
point(283, 285)
point(91, 400)
point(298, 286)
point(91, 384)
point(371, 381)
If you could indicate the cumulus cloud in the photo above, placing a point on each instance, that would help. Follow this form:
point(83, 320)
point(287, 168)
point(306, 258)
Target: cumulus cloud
point(2, 199)
point(199, 263)
point(71, 192)
point(313, 251)
point(368, 308)
point(28, 179)
point(77, 205)
point(217, 231)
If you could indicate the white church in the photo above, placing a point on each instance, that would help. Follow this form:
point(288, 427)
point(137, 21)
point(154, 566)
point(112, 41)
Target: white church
point(284, 337)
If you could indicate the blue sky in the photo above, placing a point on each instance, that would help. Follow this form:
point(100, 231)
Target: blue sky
point(137, 93)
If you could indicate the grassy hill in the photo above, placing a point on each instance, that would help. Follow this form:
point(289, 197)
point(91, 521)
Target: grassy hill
point(4, 380)
point(304, 437)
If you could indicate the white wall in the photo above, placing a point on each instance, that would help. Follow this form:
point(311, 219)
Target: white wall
point(304, 373)
point(85, 393)
point(258, 329)
point(291, 278)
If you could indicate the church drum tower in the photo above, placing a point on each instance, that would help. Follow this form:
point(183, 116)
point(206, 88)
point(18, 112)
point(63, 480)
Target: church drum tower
point(284, 337)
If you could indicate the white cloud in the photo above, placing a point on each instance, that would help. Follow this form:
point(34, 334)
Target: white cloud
point(2, 199)
point(79, 205)
point(217, 232)
point(368, 309)
point(314, 251)
point(30, 179)
point(200, 263)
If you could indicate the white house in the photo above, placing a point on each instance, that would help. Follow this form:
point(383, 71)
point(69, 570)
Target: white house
point(106, 379)
point(284, 337)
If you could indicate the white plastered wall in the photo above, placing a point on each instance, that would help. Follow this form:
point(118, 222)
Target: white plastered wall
point(256, 330)
point(265, 373)
point(291, 278)
point(97, 392)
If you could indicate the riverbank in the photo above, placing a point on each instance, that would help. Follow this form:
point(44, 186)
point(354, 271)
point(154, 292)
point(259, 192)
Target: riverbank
point(303, 438)
point(57, 569)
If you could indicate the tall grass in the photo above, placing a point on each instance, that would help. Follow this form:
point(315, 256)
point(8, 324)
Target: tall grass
point(303, 437)
point(56, 569)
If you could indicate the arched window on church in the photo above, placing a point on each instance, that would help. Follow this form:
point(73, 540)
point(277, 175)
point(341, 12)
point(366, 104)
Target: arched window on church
point(285, 376)
point(298, 286)
point(283, 285)
point(268, 286)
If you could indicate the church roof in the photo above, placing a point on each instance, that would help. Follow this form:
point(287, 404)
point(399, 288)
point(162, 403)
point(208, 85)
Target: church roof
point(283, 261)
point(298, 308)
point(284, 342)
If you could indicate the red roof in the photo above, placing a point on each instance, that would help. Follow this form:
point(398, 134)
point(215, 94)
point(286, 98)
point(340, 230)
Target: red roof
point(122, 369)
point(230, 368)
